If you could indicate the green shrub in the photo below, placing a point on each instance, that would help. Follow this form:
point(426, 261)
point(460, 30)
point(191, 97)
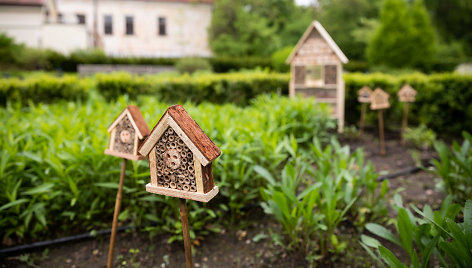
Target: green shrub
point(421, 137)
point(191, 65)
point(237, 88)
point(279, 57)
point(222, 64)
point(433, 234)
point(43, 88)
point(455, 167)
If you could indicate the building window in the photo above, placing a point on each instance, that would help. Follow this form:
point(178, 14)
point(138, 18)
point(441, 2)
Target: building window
point(81, 18)
point(129, 25)
point(108, 25)
point(162, 26)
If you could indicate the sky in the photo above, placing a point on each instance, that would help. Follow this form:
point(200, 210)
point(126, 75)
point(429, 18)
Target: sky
point(304, 2)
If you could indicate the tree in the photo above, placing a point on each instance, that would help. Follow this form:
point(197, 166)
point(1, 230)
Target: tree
point(423, 37)
point(404, 38)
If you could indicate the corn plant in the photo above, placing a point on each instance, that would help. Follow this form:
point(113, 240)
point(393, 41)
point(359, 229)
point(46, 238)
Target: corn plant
point(433, 234)
point(455, 167)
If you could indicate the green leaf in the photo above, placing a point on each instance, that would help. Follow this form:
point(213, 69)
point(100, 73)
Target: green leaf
point(383, 232)
point(369, 241)
point(427, 251)
point(405, 229)
point(467, 221)
point(265, 174)
point(14, 203)
point(389, 258)
point(43, 188)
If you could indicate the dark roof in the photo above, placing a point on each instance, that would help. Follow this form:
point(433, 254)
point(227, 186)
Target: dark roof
point(139, 120)
point(22, 2)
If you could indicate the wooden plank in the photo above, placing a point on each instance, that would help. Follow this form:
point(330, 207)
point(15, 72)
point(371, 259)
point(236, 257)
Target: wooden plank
point(112, 139)
point(152, 166)
point(155, 135)
point(207, 178)
point(183, 194)
point(123, 155)
point(136, 144)
point(198, 174)
point(186, 233)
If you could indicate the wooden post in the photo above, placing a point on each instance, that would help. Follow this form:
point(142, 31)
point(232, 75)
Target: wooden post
point(185, 233)
point(361, 123)
point(381, 133)
point(116, 214)
point(405, 121)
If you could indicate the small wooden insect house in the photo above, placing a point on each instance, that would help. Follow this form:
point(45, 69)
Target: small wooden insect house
point(379, 101)
point(180, 159)
point(316, 70)
point(127, 133)
point(406, 95)
point(364, 98)
point(180, 156)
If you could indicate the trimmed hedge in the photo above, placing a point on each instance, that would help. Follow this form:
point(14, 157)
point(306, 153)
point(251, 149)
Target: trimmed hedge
point(237, 88)
point(43, 88)
point(443, 102)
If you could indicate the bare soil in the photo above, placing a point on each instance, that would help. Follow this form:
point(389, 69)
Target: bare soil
point(243, 247)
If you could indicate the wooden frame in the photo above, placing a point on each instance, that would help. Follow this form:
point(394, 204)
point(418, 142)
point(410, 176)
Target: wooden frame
point(316, 47)
point(407, 94)
point(379, 100)
point(185, 131)
point(140, 128)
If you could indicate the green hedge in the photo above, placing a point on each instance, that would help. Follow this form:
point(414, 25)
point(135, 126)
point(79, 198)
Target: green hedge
point(237, 88)
point(43, 88)
point(443, 103)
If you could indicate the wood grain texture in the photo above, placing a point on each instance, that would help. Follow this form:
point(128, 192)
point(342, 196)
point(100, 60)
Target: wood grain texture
point(207, 178)
point(198, 174)
point(186, 233)
point(155, 135)
point(139, 121)
point(193, 131)
point(183, 194)
point(152, 166)
point(123, 155)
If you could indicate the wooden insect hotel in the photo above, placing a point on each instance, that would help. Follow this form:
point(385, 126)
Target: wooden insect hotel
point(127, 133)
point(180, 157)
point(407, 94)
point(316, 70)
point(364, 94)
point(379, 100)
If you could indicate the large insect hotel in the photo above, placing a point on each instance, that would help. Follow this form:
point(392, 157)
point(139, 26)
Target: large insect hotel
point(316, 70)
point(180, 157)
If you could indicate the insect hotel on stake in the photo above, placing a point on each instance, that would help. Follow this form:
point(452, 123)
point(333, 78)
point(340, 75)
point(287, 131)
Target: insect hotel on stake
point(180, 156)
point(316, 70)
point(127, 133)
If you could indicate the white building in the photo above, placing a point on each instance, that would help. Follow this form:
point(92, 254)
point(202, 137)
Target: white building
point(141, 28)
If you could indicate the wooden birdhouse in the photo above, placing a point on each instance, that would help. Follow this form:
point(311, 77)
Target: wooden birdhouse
point(379, 99)
point(127, 133)
point(316, 70)
point(180, 157)
point(407, 94)
point(364, 94)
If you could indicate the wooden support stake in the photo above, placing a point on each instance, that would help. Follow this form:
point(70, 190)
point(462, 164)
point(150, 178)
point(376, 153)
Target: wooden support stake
point(361, 123)
point(405, 121)
point(116, 214)
point(381, 133)
point(185, 233)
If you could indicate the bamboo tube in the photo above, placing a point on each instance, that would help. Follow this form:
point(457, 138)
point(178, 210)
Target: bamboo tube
point(116, 214)
point(185, 233)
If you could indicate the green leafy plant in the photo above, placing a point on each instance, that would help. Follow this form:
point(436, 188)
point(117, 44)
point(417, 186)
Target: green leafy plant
point(191, 65)
point(311, 202)
point(433, 234)
point(455, 167)
point(421, 137)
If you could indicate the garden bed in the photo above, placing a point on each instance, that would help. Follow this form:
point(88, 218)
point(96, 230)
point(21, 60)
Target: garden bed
point(247, 244)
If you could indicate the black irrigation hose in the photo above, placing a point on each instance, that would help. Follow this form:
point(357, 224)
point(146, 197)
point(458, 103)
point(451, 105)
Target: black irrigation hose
point(47, 243)
point(22, 248)
point(406, 171)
